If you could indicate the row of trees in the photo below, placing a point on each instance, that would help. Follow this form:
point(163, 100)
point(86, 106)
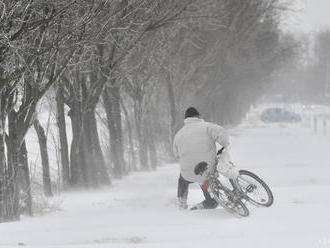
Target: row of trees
point(313, 81)
point(307, 76)
point(135, 63)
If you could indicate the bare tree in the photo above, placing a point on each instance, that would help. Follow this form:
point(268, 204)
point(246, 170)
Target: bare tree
point(37, 42)
point(44, 157)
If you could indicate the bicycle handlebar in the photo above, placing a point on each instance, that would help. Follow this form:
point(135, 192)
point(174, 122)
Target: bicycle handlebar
point(220, 151)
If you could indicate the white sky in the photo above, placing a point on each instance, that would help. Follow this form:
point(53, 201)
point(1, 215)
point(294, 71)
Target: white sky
point(311, 15)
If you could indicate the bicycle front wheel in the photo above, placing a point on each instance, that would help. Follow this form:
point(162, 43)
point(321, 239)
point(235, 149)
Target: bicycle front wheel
point(255, 189)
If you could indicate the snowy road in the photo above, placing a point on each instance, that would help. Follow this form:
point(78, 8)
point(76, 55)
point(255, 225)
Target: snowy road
point(140, 210)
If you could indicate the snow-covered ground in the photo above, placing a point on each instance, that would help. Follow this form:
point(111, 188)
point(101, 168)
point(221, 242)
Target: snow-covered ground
point(140, 211)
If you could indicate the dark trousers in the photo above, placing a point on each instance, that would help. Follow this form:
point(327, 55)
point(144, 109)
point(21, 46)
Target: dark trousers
point(183, 188)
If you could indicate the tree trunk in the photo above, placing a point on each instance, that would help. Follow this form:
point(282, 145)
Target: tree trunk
point(23, 157)
point(132, 162)
point(149, 132)
point(42, 138)
point(12, 191)
point(99, 163)
point(89, 151)
point(87, 162)
point(60, 117)
point(111, 99)
point(77, 161)
point(12, 187)
point(3, 166)
point(15, 177)
point(115, 96)
point(143, 149)
point(171, 98)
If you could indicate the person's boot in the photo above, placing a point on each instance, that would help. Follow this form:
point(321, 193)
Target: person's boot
point(211, 204)
point(198, 206)
point(206, 204)
point(182, 203)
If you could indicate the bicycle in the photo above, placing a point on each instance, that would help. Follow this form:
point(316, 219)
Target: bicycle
point(245, 189)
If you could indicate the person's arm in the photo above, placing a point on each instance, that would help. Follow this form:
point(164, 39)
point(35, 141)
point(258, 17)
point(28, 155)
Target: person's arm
point(218, 134)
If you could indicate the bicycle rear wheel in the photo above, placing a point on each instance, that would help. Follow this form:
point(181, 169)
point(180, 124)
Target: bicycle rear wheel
point(239, 208)
point(255, 189)
point(236, 207)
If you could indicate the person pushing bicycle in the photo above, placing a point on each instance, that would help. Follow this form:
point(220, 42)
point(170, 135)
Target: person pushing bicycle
point(196, 142)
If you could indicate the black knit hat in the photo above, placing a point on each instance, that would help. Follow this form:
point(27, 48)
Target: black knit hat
point(191, 112)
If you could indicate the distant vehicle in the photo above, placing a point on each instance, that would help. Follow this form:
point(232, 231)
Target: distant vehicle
point(279, 115)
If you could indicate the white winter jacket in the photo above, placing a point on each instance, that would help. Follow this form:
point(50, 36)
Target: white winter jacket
point(196, 142)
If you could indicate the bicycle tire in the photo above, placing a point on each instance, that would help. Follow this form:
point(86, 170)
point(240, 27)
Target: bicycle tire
point(244, 212)
point(239, 208)
point(270, 200)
